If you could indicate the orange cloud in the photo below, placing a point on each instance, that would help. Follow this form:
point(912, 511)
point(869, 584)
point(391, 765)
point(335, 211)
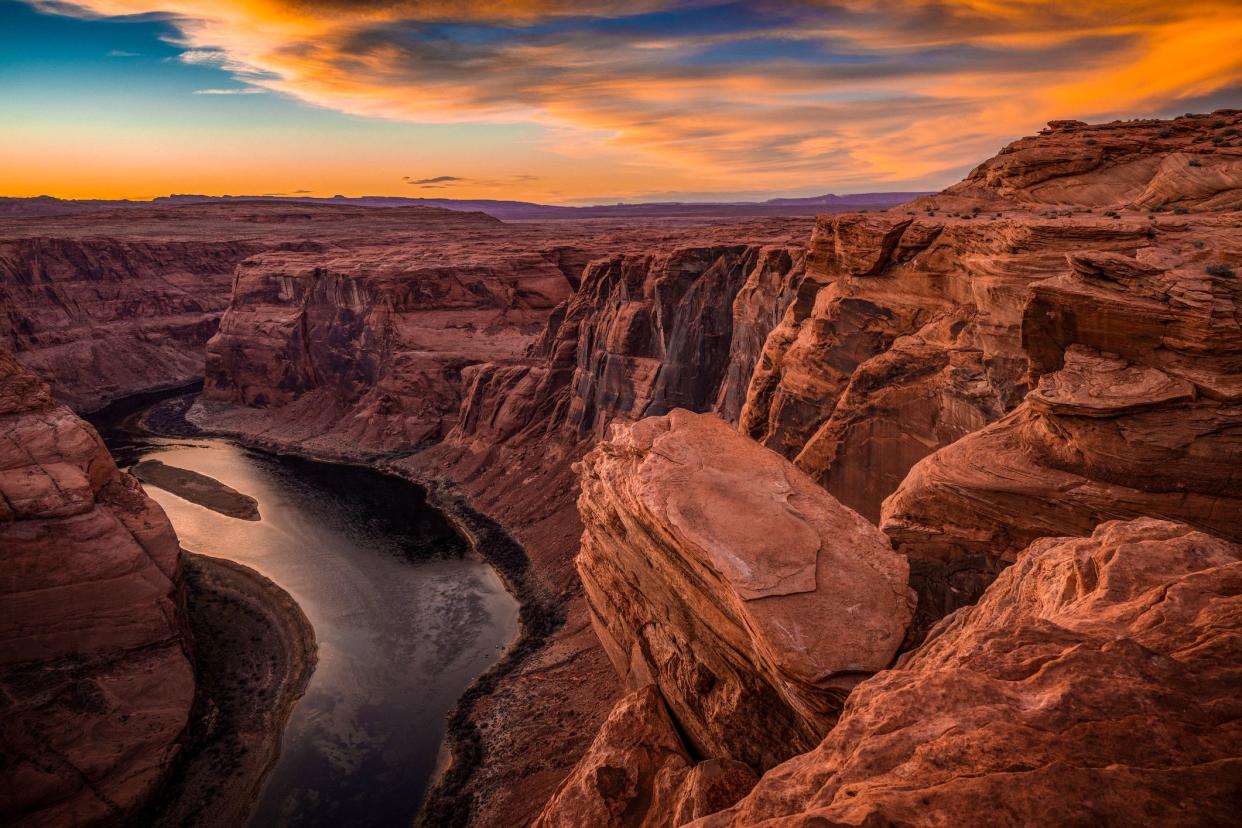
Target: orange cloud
point(763, 95)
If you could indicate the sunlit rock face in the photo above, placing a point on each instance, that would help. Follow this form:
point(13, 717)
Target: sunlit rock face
point(719, 572)
point(96, 682)
point(1136, 410)
point(1095, 682)
point(908, 332)
point(1140, 164)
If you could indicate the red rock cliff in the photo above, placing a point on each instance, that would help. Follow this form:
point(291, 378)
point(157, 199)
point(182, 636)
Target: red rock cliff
point(95, 684)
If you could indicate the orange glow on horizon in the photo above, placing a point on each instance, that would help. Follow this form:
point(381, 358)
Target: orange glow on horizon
point(616, 113)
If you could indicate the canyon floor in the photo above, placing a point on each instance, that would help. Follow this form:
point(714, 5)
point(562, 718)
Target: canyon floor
point(895, 517)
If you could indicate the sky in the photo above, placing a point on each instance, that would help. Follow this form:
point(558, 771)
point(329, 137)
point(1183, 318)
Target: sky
point(575, 101)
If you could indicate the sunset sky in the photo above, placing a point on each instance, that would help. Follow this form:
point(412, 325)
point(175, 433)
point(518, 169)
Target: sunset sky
point(575, 102)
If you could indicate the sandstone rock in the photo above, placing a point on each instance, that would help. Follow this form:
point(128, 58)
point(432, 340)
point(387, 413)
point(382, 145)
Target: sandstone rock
point(866, 375)
point(107, 317)
point(1139, 164)
point(1094, 683)
point(718, 571)
point(95, 680)
point(1136, 412)
point(638, 774)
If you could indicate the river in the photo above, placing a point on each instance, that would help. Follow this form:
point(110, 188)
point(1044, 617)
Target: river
point(405, 618)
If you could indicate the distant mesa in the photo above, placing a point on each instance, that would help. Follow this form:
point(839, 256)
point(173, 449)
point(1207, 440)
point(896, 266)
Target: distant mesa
point(501, 209)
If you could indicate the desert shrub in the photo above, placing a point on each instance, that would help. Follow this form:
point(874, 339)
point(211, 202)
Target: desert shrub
point(1219, 124)
point(1181, 211)
point(1165, 133)
point(1091, 142)
point(1222, 270)
point(1195, 162)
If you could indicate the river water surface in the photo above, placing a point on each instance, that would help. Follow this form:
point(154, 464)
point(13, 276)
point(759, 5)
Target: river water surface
point(405, 620)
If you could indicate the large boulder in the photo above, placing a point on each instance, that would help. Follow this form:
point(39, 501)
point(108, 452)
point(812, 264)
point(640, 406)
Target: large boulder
point(719, 572)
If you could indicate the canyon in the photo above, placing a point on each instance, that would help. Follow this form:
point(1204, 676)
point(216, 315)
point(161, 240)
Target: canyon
point(903, 517)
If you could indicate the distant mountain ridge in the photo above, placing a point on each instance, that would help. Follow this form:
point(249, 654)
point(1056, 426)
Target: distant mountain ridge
point(501, 209)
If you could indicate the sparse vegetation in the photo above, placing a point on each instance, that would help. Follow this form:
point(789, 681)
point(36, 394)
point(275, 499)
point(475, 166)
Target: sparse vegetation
point(1195, 162)
point(1181, 211)
point(1091, 142)
point(1165, 133)
point(1222, 270)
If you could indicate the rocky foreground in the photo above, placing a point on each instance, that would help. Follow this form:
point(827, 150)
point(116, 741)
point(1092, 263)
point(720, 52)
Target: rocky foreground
point(930, 520)
point(96, 681)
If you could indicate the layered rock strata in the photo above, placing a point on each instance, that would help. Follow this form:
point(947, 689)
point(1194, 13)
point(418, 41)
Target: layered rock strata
point(907, 333)
point(1095, 682)
point(720, 573)
point(95, 683)
point(107, 317)
point(1136, 410)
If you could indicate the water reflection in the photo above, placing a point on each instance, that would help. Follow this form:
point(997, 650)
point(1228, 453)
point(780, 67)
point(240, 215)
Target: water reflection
point(404, 621)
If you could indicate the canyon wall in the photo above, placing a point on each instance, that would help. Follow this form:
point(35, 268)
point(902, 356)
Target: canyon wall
point(102, 318)
point(95, 682)
point(1137, 410)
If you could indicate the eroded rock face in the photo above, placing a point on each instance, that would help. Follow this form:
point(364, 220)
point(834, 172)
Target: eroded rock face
point(369, 342)
point(1137, 411)
point(106, 317)
point(719, 572)
point(638, 774)
point(1138, 164)
point(96, 685)
point(1095, 682)
point(908, 332)
point(905, 336)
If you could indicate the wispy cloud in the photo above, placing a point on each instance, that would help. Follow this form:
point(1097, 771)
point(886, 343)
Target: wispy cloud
point(750, 95)
point(243, 90)
point(439, 179)
point(120, 53)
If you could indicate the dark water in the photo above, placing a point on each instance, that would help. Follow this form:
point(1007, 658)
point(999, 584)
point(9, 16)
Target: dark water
point(405, 620)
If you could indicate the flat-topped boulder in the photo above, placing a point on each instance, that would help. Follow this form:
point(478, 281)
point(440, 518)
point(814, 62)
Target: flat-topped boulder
point(717, 570)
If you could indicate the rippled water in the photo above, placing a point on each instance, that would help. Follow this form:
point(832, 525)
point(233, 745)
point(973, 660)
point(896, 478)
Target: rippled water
point(405, 620)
